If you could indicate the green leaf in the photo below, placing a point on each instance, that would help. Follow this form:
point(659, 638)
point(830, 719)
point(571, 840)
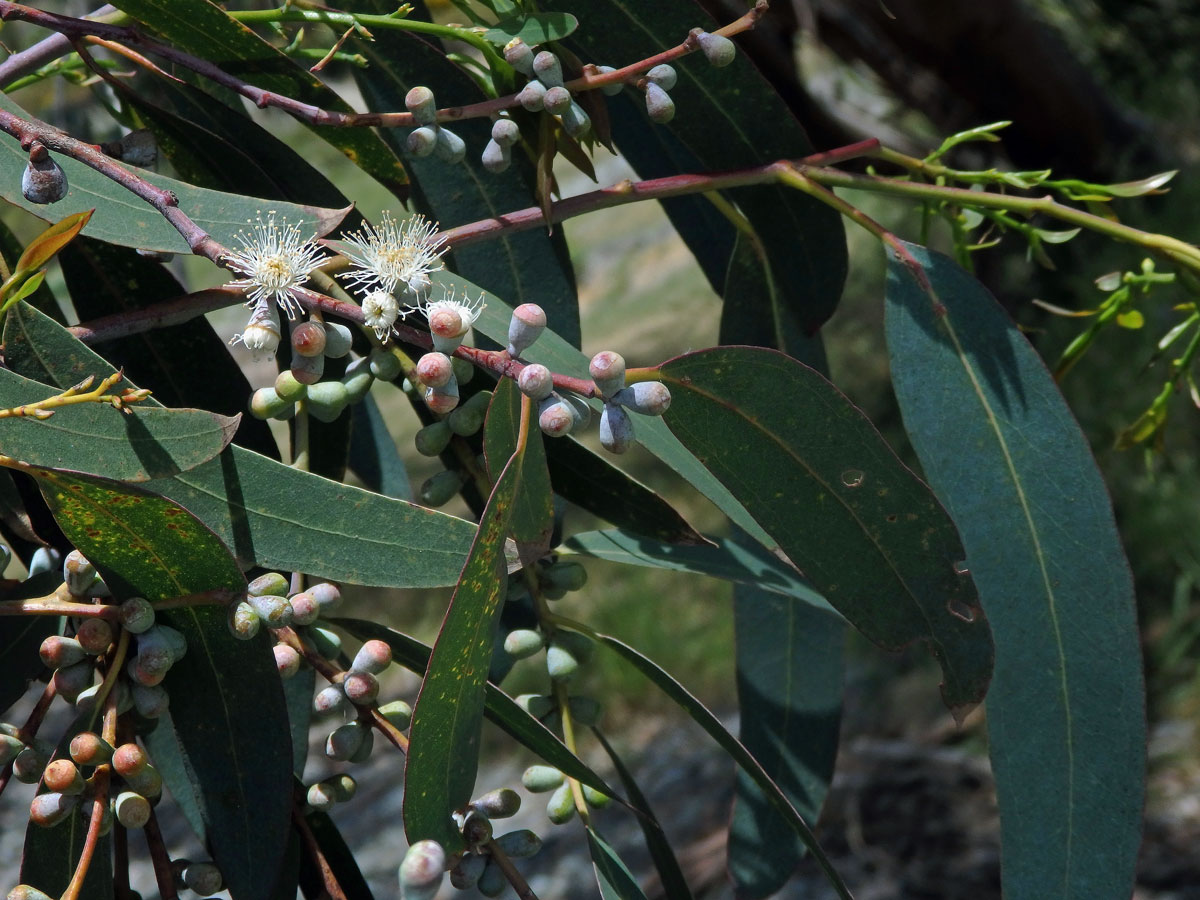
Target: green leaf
point(126, 220)
point(281, 518)
point(533, 514)
point(21, 636)
point(531, 266)
point(733, 559)
point(51, 854)
point(674, 885)
point(443, 753)
point(747, 763)
point(615, 880)
point(95, 438)
point(728, 118)
point(789, 679)
point(28, 286)
point(533, 29)
point(206, 30)
point(812, 469)
point(1066, 711)
point(559, 356)
point(499, 708)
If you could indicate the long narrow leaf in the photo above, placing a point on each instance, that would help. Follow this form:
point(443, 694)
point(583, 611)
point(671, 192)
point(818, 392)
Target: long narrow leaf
point(1066, 712)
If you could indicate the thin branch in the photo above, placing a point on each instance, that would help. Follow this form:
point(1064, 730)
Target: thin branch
point(43, 52)
point(77, 29)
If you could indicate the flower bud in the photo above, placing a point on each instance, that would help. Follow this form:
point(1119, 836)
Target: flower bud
point(71, 681)
point(28, 765)
point(498, 804)
point(439, 489)
point(308, 339)
point(151, 701)
point(327, 595)
point(560, 808)
point(305, 608)
point(496, 157)
point(147, 782)
point(422, 142)
point(57, 652)
point(532, 96)
point(537, 705)
point(361, 688)
point(338, 340)
point(541, 779)
point(419, 101)
point(650, 398)
point(465, 874)
point(522, 643)
point(616, 431)
point(48, 809)
point(659, 105)
point(441, 400)
point(287, 660)
point(450, 148)
point(325, 642)
point(421, 871)
point(610, 90)
point(519, 844)
point(244, 621)
point(43, 560)
point(327, 400)
point(518, 54)
point(555, 416)
point(435, 369)
point(466, 420)
point(10, 746)
point(492, 882)
point(398, 713)
point(576, 122)
point(584, 710)
point(663, 75)
point(94, 636)
point(132, 809)
point(344, 741)
point(505, 132)
point(129, 760)
point(275, 611)
point(372, 657)
point(78, 573)
point(526, 326)
point(321, 796)
point(548, 69)
point(329, 700)
point(135, 615)
point(266, 404)
point(203, 878)
point(595, 798)
point(557, 100)
point(43, 181)
point(561, 664)
point(62, 775)
point(27, 892)
point(433, 438)
point(274, 583)
point(306, 369)
point(89, 749)
point(717, 49)
point(384, 364)
point(608, 371)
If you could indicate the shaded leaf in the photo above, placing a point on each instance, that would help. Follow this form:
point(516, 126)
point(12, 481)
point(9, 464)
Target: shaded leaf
point(733, 559)
point(1066, 710)
point(21, 636)
point(128, 221)
point(816, 474)
point(203, 28)
point(591, 482)
point(373, 454)
point(746, 763)
point(789, 680)
point(443, 754)
point(615, 880)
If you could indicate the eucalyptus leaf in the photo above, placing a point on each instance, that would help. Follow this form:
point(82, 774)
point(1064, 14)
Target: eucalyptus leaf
point(1066, 710)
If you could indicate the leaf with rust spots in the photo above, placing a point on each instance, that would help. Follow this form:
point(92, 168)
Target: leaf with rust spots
point(443, 757)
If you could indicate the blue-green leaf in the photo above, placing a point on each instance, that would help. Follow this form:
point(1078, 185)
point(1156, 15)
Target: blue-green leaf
point(1066, 711)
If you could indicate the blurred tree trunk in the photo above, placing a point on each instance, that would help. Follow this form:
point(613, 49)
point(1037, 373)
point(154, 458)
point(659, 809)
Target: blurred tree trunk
point(962, 64)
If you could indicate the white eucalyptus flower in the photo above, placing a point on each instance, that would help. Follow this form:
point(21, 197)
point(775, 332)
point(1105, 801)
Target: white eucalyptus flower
point(274, 260)
point(395, 255)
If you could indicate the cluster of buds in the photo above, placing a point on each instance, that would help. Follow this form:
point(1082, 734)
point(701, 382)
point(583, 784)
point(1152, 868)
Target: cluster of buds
point(70, 785)
point(430, 137)
point(358, 690)
point(313, 342)
point(546, 90)
point(269, 602)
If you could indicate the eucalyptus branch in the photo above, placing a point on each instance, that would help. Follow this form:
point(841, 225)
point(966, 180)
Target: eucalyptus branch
point(78, 29)
point(44, 409)
point(31, 59)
